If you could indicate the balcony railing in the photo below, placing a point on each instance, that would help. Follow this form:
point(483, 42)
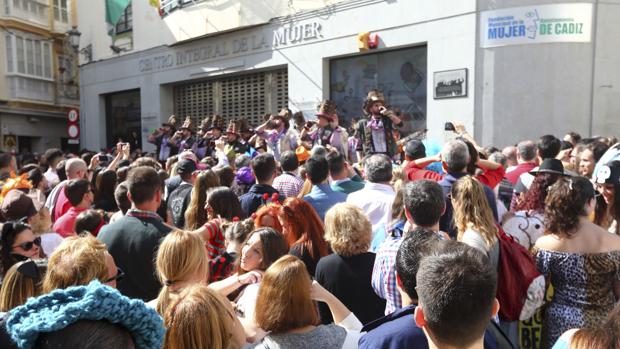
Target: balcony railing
point(168, 6)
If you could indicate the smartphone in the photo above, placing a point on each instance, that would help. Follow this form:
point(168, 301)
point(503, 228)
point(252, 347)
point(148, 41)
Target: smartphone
point(102, 158)
point(449, 126)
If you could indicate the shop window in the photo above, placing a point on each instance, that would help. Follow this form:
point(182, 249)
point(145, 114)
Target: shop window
point(400, 74)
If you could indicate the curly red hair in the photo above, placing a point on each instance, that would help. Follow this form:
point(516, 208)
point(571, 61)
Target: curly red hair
point(304, 226)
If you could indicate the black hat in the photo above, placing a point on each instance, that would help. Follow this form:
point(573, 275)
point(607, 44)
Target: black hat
point(549, 166)
point(186, 166)
point(415, 149)
point(608, 174)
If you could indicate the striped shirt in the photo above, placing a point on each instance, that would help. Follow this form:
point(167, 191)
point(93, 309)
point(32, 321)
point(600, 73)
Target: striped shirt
point(215, 245)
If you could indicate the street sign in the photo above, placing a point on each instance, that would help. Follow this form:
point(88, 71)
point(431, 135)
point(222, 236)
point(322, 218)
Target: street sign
point(73, 116)
point(73, 131)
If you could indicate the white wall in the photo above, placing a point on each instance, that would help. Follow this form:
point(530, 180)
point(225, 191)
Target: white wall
point(446, 27)
point(150, 30)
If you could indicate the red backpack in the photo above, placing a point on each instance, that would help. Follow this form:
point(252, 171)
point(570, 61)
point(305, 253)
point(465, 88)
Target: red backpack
point(520, 287)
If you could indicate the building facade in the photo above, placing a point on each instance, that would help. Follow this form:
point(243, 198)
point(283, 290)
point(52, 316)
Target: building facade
point(39, 81)
point(246, 59)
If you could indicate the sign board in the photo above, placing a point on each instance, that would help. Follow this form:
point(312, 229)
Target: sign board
point(450, 83)
point(536, 24)
point(270, 38)
point(73, 131)
point(73, 141)
point(73, 116)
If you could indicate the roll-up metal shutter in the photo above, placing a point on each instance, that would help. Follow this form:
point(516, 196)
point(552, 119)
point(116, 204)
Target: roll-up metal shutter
point(248, 95)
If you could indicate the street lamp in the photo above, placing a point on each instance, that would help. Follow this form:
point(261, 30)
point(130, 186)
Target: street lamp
point(74, 40)
point(74, 37)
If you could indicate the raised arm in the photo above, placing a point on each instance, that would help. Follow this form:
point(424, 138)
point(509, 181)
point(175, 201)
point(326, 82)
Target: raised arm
point(339, 311)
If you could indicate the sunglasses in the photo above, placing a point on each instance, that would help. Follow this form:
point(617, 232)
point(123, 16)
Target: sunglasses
point(27, 246)
point(120, 274)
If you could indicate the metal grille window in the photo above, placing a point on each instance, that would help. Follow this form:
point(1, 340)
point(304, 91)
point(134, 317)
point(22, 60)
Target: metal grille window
point(250, 96)
point(168, 6)
point(243, 96)
point(125, 23)
point(195, 100)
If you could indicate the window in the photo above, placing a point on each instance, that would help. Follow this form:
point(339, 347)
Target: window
point(33, 56)
point(9, 54)
point(21, 60)
point(125, 24)
point(399, 74)
point(38, 59)
point(60, 11)
point(47, 60)
point(29, 57)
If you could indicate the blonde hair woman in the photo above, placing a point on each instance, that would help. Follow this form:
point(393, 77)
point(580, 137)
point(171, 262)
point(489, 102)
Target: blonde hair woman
point(22, 281)
point(347, 272)
point(181, 261)
point(78, 261)
point(200, 318)
point(196, 215)
point(473, 217)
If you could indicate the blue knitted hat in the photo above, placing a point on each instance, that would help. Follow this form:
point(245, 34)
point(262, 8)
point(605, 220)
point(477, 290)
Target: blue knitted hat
point(60, 308)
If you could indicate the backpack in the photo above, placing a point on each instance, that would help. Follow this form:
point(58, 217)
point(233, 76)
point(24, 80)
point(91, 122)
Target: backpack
point(520, 287)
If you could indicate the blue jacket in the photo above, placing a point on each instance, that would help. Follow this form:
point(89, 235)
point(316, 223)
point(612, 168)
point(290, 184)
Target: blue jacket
point(253, 199)
point(322, 198)
point(399, 330)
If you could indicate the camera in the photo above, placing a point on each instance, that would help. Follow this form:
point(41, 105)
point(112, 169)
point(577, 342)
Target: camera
point(449, 127)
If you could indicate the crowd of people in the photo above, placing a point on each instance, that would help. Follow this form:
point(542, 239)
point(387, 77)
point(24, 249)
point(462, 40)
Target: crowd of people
point(306, 234)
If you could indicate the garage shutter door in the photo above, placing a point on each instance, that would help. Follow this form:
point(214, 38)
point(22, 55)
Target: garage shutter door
point(249, 95)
